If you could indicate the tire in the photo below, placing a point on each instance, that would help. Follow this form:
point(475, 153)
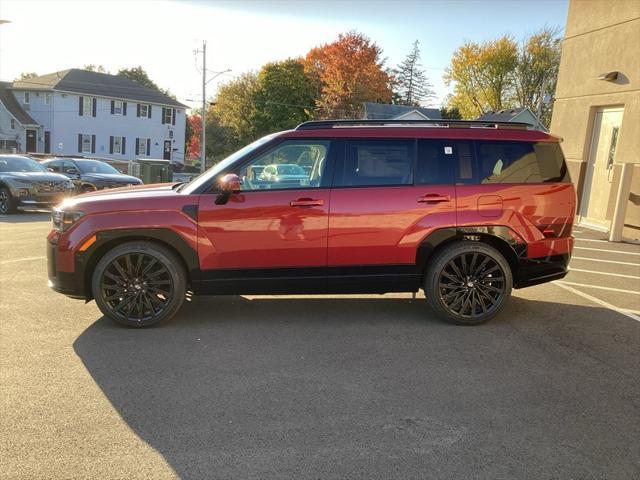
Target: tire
point(87, 189)
point(468, 283)
point(139, 284)
point(7, 202)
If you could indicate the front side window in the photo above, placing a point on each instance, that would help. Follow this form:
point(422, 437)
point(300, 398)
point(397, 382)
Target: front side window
point(86, 143)
point(27, 98)
point(117, 107)
point(56, 166)
point(291, 164)
point(376, 163)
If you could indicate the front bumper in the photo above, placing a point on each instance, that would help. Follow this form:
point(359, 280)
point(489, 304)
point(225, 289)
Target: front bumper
point(41, 199)
point(71, 284)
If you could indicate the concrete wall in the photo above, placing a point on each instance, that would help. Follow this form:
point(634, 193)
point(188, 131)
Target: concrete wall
point(62, 119)
point(601, 36)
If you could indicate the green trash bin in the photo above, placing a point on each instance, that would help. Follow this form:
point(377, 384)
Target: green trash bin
point(153, 170)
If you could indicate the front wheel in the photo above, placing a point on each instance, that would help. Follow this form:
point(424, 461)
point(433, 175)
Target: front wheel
point(7, 202)
point(468, 283)
point(139, 284)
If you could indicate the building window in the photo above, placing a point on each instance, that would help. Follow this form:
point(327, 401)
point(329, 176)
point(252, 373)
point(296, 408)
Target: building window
point(47, 98)
point(116, 144)
point(144, 111)
point(13, 124)
point(117, 107)
point(88, 106)
point(86, 143)
point(26, 98)
point(168, 116)
point(143, 145)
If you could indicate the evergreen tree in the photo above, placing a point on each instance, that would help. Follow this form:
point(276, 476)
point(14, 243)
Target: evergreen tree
point(412, 87)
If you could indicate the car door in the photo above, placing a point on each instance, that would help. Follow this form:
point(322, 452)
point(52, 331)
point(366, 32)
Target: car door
point(272, 235)
point(387, 196)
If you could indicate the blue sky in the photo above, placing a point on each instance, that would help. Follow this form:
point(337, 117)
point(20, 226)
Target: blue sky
point(243, 35)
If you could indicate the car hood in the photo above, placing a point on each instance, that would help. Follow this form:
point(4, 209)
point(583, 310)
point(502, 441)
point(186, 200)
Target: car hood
point(34, 176)
point(140, 197)
point(111, 177)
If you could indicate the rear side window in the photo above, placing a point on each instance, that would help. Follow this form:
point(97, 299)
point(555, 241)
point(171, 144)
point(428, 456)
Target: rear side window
point(444, 162)
point(520, 162)
point(376, 163)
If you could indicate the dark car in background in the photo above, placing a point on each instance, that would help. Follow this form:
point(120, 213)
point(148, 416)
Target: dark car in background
point(25, 182)
point(90, 175)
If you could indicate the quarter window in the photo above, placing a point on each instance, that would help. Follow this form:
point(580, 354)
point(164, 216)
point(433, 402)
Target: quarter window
point(291, 164)
point(377, 163)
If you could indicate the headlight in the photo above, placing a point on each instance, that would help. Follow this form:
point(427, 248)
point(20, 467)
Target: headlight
point(63, 220)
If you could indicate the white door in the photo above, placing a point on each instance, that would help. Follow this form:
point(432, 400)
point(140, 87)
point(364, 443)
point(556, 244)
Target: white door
point(599, 174)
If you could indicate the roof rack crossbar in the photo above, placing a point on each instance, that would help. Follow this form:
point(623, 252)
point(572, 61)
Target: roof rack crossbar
point(322, 124)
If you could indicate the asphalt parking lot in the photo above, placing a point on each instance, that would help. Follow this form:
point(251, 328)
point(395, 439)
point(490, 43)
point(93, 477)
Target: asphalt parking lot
point(322, 387)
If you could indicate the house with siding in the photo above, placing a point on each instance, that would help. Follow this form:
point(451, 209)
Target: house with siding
point(83, 113)
point(383, 111)
point(520, 115)
point(17, 128)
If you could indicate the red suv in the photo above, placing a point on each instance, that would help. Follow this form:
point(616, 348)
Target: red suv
point(464, 210)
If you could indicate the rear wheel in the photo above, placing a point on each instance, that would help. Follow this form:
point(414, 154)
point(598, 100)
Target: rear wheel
point(139, 284)
point(7, 202)
point(468, 283)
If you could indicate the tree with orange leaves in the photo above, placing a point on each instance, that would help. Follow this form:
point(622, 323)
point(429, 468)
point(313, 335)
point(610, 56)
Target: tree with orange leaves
point(347, 73)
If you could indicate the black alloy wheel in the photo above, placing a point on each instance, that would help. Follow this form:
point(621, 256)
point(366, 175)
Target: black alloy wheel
point(468, 283)
point(139, 284)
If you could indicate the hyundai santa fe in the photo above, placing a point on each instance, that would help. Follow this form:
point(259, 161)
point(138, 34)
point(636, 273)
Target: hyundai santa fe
point(466, 211)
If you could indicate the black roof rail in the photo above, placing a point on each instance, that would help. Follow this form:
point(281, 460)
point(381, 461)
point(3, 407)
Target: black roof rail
point(322, 124)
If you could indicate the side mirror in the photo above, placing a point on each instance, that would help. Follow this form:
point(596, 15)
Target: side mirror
point(51, 170)
point(229, 184)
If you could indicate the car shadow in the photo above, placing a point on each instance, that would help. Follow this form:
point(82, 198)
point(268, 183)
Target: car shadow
point(376, 387)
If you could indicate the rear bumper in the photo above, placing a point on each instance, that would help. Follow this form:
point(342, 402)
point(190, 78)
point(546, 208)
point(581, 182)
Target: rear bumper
point(534, 271)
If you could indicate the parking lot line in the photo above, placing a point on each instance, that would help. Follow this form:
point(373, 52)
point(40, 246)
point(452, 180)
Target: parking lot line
point(604, 261)
point(621, 311)
point(603, 273)
point(604, 250)
point(21, 260)
point(601, 288)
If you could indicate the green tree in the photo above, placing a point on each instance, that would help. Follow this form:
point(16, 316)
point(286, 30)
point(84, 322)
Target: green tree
point(26, 76)
point(95, 68)
point(537, 72)
point(450, 113)
point(221, 140)
point(235, 107)
point(284, 97)
point(482, 76)
point(411, 85)
point(140, 76)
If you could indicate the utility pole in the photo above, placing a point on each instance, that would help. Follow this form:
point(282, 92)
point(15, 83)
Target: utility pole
point(203, 135)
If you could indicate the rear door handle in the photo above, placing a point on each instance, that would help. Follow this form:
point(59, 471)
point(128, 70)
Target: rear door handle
point(306, 202)
point(434, 198)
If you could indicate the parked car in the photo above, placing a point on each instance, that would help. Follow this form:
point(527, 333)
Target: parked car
point(90, 175)
point(465, 211)
point(24, 182)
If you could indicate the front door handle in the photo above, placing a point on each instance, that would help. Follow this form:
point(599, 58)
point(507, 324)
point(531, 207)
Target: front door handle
point(306, 202)
point(434, 198)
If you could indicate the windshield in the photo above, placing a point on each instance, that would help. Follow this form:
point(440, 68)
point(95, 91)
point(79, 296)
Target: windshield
point(20, 164)
point(93, 166)
point(205, 177)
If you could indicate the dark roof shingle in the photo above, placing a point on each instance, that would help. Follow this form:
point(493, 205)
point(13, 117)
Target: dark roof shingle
point(502, 115)
point(10, 102)
point(86, 82)
point(383, 111)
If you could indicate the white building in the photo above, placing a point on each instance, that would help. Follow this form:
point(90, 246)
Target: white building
point(84, 113)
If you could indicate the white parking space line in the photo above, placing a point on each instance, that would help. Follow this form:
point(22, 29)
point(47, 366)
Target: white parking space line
point(621, 311)
point(603, 273)
point(21, 260)
point(590, 240)
point(610, 289)
point(609, 251)
point(605, 261)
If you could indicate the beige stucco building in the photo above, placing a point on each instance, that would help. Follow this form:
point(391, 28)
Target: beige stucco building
point(597, 108)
